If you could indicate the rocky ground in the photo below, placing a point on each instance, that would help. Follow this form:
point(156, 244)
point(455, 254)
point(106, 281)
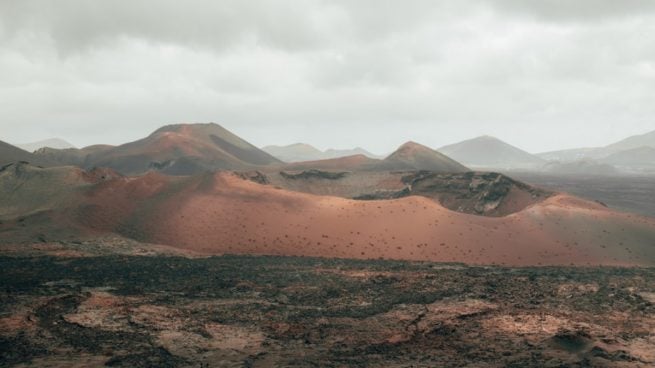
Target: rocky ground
point(235, 311)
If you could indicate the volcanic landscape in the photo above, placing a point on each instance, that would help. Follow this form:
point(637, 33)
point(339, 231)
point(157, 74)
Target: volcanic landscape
point(192, 247)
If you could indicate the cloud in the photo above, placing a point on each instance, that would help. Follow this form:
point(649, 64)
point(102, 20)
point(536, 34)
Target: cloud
point(574, 11)
point(78, 25)
point(542, 75)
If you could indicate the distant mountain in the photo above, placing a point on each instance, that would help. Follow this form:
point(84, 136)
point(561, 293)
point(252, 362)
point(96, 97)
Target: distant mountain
point(635, 159)
point(596, 153)
point(410, 156)
point(52, 143)
point(581, 167)
point(183, 149)
point(71, 156)
point(490, 152)
point(574, 154)
point(296, 152)
point(299, 152)
point(414, 156)
point(349, 163)
point(336, 153)
point(9, 154)
point(636, 141)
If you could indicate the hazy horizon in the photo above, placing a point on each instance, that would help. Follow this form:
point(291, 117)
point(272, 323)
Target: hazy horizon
point(323, 147)
point(541, 76)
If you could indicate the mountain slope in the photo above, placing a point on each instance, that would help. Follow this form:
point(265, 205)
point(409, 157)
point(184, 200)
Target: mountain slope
point(490, 152)
point(71, 156)
point(183, 149)
point(414, 156)
point(9, 153)
point(635, 141)
point(596, 153)
point(635, 158)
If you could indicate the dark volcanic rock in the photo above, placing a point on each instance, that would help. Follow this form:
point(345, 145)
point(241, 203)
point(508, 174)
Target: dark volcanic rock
point(254, 176)
point(313, 174)
point(235, 311)
point(480, 193)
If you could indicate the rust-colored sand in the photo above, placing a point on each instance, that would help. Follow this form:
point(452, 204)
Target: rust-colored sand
point(221, 213)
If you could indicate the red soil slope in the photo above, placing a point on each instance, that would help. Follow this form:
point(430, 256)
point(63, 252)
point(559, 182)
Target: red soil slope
point(222, 213)
point(414, 156)
point(218, 213)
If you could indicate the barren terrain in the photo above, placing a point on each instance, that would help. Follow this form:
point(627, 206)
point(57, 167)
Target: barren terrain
point(223, 212)
point(211, 253)
point(235, 311)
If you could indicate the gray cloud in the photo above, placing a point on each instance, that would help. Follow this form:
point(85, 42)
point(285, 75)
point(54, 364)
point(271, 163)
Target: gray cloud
point(77, 25)
point(542, 75)
point(579, 10)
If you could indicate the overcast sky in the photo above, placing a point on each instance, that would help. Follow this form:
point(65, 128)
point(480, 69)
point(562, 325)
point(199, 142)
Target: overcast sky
point(542, 75)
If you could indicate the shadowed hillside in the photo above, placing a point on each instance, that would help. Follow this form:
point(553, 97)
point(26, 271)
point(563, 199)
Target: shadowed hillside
point(9, 154)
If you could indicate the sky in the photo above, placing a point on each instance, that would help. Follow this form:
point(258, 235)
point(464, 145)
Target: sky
point(541, 75)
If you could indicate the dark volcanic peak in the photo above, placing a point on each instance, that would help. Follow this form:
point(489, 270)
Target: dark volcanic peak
point(183, 149)
point(415, 156)
point(490, 152)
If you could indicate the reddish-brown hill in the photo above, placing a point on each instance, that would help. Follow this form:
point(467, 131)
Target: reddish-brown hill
point(408, 157)
point(183, 149)
point(218, 213)
point(414, 156)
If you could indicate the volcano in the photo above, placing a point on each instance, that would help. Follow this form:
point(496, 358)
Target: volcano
point(182, 149)
point(414, 156)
